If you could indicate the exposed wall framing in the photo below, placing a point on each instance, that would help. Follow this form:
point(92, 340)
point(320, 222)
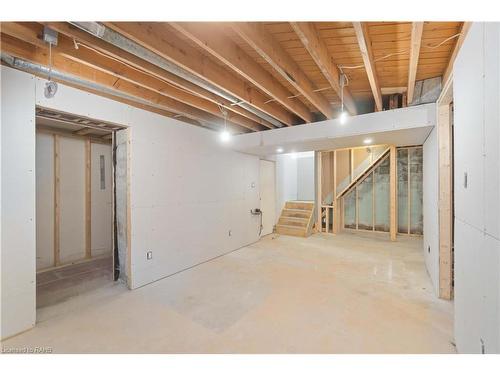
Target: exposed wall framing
point(445, 202)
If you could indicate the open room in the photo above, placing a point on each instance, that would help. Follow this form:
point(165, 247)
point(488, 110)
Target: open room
point(250, 187)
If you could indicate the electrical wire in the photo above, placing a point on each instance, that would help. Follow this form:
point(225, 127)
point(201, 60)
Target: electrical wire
point(131, 66)
point(401, 53)
point(50, 62)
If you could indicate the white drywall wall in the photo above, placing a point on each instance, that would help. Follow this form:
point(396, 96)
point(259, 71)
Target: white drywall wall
point(44, 201)
point(401, 127)
point(18, 234)
point(305, 178)
point(101, 201)
point(286, 181)
point(430, 208)
point(477, 207)
point(187, 191)
point(187, 194)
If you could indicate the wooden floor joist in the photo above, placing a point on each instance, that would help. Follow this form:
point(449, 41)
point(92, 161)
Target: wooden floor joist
point(271, 51)
point(160, 39)
point(224, 49)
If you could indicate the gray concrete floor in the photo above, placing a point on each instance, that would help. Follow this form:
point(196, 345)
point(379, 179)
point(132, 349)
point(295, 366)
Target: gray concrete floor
point(323, 294)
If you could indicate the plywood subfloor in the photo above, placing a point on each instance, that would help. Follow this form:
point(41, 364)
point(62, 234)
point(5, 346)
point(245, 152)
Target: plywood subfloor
point(322, 294)
point(58, 285)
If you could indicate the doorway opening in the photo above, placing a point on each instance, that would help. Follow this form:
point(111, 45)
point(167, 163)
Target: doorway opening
point(76, 216)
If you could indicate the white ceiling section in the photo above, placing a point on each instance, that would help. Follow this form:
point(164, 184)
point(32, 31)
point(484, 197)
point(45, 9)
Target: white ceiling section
point(401, 127)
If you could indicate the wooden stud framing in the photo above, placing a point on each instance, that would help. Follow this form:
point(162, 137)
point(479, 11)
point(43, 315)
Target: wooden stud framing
point(416, 39)
point(57, 201)
point(335, 202)
point(393, 193)
point(88, 204)
point(367, 54)
point(445, 203)
point(271, 51)
point(319, 219)
point(449, 68)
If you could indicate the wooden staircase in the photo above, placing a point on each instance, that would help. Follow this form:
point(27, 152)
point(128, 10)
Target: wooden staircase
point(296, 219)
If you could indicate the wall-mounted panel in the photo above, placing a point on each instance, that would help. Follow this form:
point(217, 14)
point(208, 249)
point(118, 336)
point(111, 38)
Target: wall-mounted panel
point(18, 234)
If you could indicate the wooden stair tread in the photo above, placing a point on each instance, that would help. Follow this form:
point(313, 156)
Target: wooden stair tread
point(296, 219)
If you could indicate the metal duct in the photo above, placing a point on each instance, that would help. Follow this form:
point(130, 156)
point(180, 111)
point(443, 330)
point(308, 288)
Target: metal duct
point(55, 74)
point(118, 40)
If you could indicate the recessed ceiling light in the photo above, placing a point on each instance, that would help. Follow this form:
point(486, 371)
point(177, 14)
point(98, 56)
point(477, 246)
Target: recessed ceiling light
point(368, 141)
point(279, 150)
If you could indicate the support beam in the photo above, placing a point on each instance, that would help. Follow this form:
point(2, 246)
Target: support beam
point(449, 68)
point(142, 65)
point(393, 193)
point(319, 219)
point(335, 203)
point(160, 39)
point(212, 39)
point(88, 204)
point(368, 60)
point(83, 131)
point(416, 40)
point(445, 202)
point(57, 201)
point(309, 36)
point(270, 50)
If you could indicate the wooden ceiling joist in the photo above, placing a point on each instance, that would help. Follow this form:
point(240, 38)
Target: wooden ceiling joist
point(213, 40)
point(39, 55)
point(270, 50)
point(109, 50)
point(368, 61)
point(160, 39)
point(256, 72)
point(318, 50)
point(65, 47)
point(416, 40)
point(449, 68)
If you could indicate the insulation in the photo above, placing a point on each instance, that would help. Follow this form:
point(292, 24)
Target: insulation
point(382, 196)
point(365, 203)
point(416, 191)
point(350, 209)
point(402, 172)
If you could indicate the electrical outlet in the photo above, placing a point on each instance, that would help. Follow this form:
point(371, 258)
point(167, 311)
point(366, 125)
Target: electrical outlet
point(149, 255)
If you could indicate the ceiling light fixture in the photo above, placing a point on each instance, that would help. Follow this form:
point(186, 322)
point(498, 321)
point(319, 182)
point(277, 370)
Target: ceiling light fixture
point(225, 136)
point(50, 36)
point(343, 113)
point(368, 141)
point(279, 150)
